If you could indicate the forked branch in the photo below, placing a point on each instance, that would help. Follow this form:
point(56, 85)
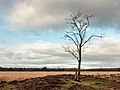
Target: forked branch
point(101, 36)
point(71, 51)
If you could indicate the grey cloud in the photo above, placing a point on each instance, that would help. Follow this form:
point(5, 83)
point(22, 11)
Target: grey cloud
point(103, 61)
point(6, 6)
point(106, 53)
point(51, 14)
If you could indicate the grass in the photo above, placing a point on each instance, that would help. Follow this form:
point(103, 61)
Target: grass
point(87, 83)
point(72, 83)
point(7, 87)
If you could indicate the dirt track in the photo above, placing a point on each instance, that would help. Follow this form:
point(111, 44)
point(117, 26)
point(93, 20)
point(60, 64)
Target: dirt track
point(9, 76)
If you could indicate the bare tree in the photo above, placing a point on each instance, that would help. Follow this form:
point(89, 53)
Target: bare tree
point(78, 36)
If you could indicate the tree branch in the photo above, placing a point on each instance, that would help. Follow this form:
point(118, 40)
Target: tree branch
point(75, 34)
point(67, 49)
point(91, 38)
point(69, 37)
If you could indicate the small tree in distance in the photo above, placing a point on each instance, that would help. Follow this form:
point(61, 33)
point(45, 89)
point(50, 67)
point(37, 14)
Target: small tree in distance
point(78, 36)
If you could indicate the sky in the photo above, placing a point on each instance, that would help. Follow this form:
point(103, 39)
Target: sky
point(31, 33)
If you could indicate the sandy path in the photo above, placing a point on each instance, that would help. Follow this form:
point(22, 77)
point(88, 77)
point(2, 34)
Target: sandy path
point(9, 76)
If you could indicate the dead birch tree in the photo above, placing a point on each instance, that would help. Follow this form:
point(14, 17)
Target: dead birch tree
point(80, 23)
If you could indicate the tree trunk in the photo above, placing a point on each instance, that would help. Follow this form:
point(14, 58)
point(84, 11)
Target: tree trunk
point(79, 65)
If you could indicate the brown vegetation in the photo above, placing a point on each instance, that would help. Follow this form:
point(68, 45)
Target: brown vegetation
point(65, 82)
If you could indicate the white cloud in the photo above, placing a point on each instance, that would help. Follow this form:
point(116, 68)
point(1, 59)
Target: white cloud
point(37, 55)
point(106, 46)
point(41, 54)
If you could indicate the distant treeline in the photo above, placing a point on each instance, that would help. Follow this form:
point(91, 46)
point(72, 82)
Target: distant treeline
point(37, 69)
point(57, 69)
point(103, 69)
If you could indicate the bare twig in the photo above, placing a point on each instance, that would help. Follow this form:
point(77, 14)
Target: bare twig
point(71, 51)
point(91, 38)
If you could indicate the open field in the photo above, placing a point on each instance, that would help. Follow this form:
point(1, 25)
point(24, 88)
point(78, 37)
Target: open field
point(10, 76)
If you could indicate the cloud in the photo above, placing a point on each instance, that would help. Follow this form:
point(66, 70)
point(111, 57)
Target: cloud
point(42, 54)
point(105, 46)
point(102, 52)
point(36, 55)
point(36, 14)
point(51, 14)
